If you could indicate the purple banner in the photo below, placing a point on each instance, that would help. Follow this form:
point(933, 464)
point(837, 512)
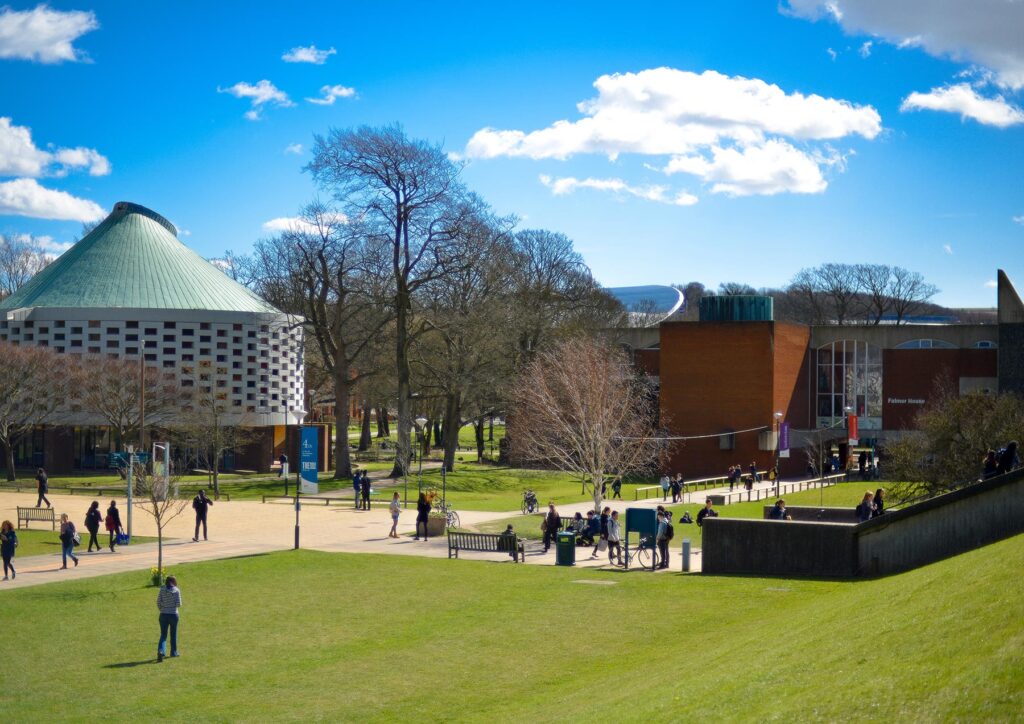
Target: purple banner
point(784, 436)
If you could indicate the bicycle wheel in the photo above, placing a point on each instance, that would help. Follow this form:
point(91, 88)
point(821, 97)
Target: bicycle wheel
point(646, 557)
point(453, 519)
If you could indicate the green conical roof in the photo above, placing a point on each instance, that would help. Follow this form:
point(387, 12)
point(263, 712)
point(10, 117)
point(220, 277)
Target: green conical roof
point(133, 259)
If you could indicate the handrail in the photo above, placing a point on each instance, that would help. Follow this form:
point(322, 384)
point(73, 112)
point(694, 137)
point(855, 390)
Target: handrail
point(705, 482)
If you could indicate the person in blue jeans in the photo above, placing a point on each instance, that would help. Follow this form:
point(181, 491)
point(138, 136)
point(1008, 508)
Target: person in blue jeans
point(67, 540)
point(168, 601)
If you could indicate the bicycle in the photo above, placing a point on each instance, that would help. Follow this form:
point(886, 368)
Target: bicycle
point(530, 503)
point(451, 517)
point(645, 554)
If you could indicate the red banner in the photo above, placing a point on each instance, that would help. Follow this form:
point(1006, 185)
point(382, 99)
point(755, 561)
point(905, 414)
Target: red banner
point(851, 428)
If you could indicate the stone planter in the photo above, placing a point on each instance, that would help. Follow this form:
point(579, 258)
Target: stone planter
point(435, 526)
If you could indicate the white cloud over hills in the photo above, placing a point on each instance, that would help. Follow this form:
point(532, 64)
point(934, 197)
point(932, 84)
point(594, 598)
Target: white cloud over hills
point(42, 34)
point(741, 135)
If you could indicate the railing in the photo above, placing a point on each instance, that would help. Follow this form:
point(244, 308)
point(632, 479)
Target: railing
point(691, 485)
point(796, 486)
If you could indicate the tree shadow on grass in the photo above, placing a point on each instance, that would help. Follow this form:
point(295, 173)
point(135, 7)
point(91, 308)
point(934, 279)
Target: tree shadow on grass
point(130, 664)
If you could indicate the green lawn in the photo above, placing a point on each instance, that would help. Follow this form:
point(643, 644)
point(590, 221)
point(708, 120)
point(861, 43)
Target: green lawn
point(302, 636)
point(838, 496)
point(486, 487)
point(37, 542)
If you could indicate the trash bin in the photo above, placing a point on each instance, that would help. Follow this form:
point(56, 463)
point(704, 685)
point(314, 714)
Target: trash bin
point(565, 549)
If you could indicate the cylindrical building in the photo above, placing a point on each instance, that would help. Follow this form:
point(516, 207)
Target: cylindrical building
point(130, 289)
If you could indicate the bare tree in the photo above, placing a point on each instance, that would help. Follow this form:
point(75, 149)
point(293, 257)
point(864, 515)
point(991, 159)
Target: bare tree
point(157, 494)
point(408, 195)
point(580, 407)
point(838, 282)
point(735, 289)
point(32, 388)
point(21, 258)
point(874, 281)
point(908, 291)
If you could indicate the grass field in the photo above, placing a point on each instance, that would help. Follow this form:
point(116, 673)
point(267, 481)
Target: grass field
point(308, 635)
point(841, 496)
point(35, 542)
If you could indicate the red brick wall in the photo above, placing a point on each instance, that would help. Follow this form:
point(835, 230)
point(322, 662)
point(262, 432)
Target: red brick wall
point(919, 374)
point(647, 360)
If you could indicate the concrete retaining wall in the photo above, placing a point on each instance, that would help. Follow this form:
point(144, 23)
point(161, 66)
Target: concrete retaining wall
point(816, 514)
point(943, 526)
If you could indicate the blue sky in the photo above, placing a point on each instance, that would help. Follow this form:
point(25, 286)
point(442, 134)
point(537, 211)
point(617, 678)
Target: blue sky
point(726, 141)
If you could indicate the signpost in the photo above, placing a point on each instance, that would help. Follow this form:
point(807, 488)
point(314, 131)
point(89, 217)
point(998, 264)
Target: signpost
point(784, 440)
point(308, 448)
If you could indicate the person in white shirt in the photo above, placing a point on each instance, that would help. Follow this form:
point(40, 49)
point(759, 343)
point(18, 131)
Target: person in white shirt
point(614, 539)
point(396, 510)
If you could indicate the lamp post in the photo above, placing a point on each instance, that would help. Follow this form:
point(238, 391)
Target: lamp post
point(420, 422)
point(299, 414)
point(778, 420)
point(131, 461)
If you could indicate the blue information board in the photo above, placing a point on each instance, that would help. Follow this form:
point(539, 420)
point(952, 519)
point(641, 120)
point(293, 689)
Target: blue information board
point(309, 445)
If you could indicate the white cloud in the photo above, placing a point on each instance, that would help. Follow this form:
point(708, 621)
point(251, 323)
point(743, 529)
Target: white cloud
point(696, 117)
point(295, 148)
point(991, 284)
point(965, 100)
point(658, 193)
point(332, 93)
point(19, 156)
point(987, 32)
point(1018, 220)
point(43, 34)
point(831, 53)
point(865, 49)
point(294, 223)
point(948, 248)
point(260, 94)
point(25, 197)
point(310, 54)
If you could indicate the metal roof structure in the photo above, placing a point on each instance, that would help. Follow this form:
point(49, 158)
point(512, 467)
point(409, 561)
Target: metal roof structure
point(133, 259)
point(649, 305)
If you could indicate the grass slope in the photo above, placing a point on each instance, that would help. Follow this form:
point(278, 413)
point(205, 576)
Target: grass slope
point(379, 638)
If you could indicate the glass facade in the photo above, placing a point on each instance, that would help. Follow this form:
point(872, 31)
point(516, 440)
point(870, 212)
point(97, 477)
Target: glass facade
point(849, 373)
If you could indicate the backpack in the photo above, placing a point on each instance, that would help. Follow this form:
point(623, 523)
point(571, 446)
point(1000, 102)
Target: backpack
point(670, 532)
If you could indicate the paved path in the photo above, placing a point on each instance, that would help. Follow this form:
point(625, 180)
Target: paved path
point(240, 528)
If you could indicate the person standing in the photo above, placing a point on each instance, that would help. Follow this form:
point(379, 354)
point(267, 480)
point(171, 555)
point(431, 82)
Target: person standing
point(42, 487)
point(396, 510)
point(614, 539)
point(617, 488)
point(201, 504)
point(706, 512)
point(422, 515)
point(677, 487)
point(1008, 459)
point(283, 459)
point(364, 486)
point(663, 537)
point(665, 485)
point(8, 542)
point(168, 601)
point(113, 522)
point(879, 503)
point(67, 540)
point(552, 522)
point(93, 518)
point(779, 511)
point(602, 542)
point(866, 509)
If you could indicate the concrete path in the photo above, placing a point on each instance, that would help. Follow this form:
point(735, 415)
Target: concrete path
point(242, 528)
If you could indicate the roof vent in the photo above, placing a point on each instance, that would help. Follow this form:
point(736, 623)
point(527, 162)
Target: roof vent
point(127, 207)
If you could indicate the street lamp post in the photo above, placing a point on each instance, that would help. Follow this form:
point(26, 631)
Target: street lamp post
point(420, 422)
point(299, 414)
point(778, 420)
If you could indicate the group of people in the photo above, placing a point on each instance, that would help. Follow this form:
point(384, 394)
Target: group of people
point(997, 462)
point(361, 489)
point(603, 532)
point(735, 476)
point(70, 539)
point(872, 506)
point(674, 485)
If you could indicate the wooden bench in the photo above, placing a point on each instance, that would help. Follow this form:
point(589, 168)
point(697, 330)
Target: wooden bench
point(99, 490)
point(486, 543)
point(43, 514)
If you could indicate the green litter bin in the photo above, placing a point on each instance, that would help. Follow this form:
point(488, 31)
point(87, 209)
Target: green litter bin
point(565, 549)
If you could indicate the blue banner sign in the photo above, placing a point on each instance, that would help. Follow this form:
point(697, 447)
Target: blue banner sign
point(308, 448)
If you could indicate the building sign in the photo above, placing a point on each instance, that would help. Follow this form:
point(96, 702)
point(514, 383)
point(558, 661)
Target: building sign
point(904, 401)
point(784, 437)
point(308, 448)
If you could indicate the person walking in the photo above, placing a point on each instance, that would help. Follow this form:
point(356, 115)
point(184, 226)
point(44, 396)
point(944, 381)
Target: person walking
point(706, 512)
point(665, 485)
point(990, 465)
point(1008, 458)
point(664, 536)
point(602, 541)
point(614, 539)
point(113, 523)
point(779, 511)
point(8, 542)
point(282, 471)
point(550, 526)
point(617, 488)
point(93, 518)
point(364, 486)
point(879, 503)
point(396, 510)
point(866, 509)
point(677, 487)
point(422, 515)
point(67, 540)
point(355, 489)
point(201, 504)
point(168, 601)
point(42, 487)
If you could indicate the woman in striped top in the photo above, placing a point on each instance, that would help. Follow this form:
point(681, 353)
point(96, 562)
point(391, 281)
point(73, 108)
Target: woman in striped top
point(168, 601)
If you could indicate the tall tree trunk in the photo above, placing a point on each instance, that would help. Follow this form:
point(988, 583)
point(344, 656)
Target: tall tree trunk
point(452, 420)
point(160, 548)
point(216, 475)
point(382, 422)
point(9, 458)
point(342, 415)
point(403, 449)
point(365, 434)
point(490, 429)
point(478, 429)
point(427, 430)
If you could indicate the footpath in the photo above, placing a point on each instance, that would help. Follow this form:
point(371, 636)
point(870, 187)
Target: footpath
point(246, 528)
